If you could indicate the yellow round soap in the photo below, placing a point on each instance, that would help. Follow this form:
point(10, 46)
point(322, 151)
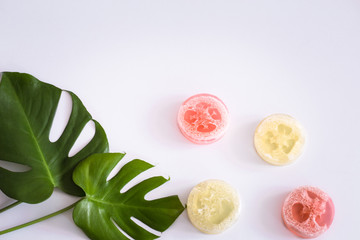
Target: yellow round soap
point(213, 206)
point(279, 139)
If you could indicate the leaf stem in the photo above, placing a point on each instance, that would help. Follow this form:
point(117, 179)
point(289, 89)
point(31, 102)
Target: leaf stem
point(10, 206)
point(39, 219)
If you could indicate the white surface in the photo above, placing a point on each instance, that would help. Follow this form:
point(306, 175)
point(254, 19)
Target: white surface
point(133, 62)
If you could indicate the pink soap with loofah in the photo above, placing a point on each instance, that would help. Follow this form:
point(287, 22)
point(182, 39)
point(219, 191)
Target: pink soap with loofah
point(203, 118)
point(308, 212)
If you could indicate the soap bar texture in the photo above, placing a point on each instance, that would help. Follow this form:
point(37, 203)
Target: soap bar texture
point(213, 206)
point(279, 139)
point(308, 212)
point(203, 118)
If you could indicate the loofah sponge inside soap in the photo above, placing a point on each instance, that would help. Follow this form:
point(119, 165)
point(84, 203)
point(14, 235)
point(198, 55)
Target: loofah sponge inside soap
point(279, 139)
point(213, 206)
point(203, 118)
point(308, 212)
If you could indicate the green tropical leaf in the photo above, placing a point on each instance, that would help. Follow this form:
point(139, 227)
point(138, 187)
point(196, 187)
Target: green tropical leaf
point(27, 110)
point(105, 208)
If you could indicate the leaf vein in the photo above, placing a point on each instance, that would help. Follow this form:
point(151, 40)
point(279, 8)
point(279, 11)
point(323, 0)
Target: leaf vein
point(38, 148)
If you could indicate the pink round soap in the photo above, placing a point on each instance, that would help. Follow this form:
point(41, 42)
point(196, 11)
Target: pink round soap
point(203, 118)
point(308, 212)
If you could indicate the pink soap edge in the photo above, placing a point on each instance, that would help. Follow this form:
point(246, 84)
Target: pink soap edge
point(208, 95)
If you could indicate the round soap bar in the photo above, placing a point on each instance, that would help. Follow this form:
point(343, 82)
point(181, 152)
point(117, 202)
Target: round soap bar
point(203, 118)
point(308, 212)
point(213, 206)
point(279, 139)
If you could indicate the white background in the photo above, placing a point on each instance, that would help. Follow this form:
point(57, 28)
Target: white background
point(134, 62)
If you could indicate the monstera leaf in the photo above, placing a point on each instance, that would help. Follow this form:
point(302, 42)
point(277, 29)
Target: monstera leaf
point(105, 208)
point(27, 110)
